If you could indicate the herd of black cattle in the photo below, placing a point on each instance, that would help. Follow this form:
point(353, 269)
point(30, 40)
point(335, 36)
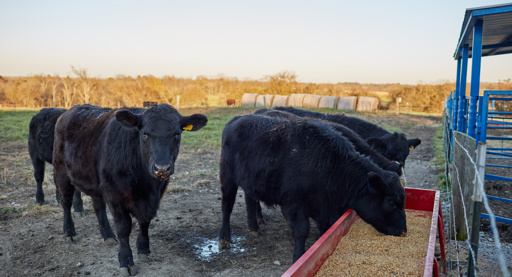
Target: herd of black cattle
point(312, 165)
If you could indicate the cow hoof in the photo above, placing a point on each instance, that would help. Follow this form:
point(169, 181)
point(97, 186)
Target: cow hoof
point(72, 240)
point(128, 271)
point(111, 241)
point(79, 213)
point(256, 233)
point(146, 258)
point(224, 244)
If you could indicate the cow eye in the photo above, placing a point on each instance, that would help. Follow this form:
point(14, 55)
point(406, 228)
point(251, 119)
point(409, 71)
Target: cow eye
point(145, 135)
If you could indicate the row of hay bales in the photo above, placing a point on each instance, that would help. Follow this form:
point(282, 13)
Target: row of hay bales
point(349, 103)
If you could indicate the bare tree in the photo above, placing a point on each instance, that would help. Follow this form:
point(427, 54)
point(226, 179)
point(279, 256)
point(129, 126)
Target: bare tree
point(85, 84)
point(68, 91)
point(54, 85)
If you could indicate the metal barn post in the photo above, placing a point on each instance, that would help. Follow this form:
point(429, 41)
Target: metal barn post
point(462, 91)
point(456, 96)
point(475, 76)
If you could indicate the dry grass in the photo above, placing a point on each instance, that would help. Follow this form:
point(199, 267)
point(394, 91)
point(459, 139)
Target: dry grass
point(40, 210)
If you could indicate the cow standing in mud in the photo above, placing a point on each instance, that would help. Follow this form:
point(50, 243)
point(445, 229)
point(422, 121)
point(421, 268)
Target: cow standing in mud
point(40, 148)
point(121, 158)
point(310, 171)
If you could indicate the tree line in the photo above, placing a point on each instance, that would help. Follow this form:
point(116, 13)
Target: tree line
point(125, 91)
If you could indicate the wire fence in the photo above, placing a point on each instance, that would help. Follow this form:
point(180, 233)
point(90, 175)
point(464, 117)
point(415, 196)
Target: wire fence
point(462, 251)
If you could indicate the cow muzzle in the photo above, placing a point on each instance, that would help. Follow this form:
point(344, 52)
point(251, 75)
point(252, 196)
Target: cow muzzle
point(162, 171)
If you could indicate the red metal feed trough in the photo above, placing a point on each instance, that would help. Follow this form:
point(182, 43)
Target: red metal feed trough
point(416, 199)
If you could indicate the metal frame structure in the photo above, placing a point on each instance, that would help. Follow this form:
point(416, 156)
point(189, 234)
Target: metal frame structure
point(486, 31)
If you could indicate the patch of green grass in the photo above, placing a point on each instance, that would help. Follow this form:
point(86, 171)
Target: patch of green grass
point(14, 124)
point(391, 128)
point(439, 160)
point(438, 141)
point(209, 136)
point(7, 210)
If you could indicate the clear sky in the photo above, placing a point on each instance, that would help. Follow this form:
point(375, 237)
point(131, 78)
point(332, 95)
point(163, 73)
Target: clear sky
point(392, 41)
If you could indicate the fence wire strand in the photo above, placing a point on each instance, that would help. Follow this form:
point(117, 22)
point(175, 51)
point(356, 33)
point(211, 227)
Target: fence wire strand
point(480, 187)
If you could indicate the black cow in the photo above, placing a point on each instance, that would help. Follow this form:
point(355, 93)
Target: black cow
point(310, 171)
point(394, 146)
point(360, 144)
point(123, 158)
point(40, 147)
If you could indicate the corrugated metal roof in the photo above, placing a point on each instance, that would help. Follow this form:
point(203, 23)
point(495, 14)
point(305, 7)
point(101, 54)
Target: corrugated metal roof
point(497, 30)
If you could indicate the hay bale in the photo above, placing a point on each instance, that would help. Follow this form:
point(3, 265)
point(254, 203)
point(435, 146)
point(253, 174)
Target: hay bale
point(367, 104)
point(296, 100)
point(311, 101)
point(330, 102)
point(280, 101)
point(348, 103)
point(249, 99)
point(261, 100)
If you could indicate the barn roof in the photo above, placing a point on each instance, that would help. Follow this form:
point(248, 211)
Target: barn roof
point(497, 30)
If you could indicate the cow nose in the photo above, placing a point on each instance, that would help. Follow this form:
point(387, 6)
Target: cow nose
point(162, 167)
point(162, 170)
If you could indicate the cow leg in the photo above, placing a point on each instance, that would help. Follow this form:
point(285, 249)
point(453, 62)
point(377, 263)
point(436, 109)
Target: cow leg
point(252, 207)
point(229, 190)
point(66, 190)
point(39, 165)
point(123, 224)
point(143, 251)
point(101, 214)
point(259, 214)
point(299, 222)
point(78, 204)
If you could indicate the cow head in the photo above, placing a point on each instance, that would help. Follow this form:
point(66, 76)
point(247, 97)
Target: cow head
point(382, 203)
point(159, 133)
point(394, 146)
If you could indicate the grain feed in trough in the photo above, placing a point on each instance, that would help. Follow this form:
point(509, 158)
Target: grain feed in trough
point(417, 200)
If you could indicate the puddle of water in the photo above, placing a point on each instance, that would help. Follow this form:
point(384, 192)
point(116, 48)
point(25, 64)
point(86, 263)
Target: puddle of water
point(206, 248)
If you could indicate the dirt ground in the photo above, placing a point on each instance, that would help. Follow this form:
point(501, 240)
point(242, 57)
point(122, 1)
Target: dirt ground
point(183, 237)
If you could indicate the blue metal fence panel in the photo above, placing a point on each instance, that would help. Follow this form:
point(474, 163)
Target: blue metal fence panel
point(475, 77)
point(497, 218)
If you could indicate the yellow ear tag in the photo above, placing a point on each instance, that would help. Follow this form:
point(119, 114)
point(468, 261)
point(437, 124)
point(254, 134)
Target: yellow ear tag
point(411, 148)
point(188, 127)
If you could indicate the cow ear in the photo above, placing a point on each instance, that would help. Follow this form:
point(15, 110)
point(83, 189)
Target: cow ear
point(193, 122)
point(375, 183)
point(377, 144)
point(413, 143)
point(128, 119)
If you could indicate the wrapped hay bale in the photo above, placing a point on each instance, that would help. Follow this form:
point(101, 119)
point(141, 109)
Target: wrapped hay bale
point(280, 101)
point(249, 99)
point(348, 103)
point(311, 101)
point(367, 104)
point(296, 100)
point(261, 100)
point(330, 102)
